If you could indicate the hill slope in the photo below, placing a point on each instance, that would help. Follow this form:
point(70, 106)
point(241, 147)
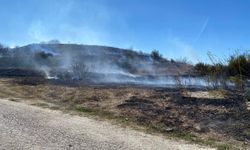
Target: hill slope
point(81, 60)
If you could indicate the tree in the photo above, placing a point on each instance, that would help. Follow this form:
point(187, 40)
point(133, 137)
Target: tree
point(155, 55)
point(172, 61)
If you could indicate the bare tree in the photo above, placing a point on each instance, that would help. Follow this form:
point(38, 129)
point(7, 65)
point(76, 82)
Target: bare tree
point(79, 70)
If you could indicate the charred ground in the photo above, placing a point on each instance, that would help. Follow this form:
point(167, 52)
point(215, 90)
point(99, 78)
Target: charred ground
point(193, 114)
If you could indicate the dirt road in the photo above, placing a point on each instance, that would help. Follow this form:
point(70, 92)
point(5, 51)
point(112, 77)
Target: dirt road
point(28, 127)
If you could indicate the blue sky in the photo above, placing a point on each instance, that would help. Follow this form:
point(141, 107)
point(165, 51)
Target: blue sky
point(177, 28)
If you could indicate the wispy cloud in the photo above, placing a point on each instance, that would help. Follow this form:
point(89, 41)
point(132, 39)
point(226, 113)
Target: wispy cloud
point(203, 28)
point(91, 17)
point(178, 48)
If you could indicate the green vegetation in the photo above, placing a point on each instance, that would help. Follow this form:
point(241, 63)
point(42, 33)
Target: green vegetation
point(239, 65)
point(96, 112)
point(225, 147)
point(85, 109)
point(207, 69)
point(237, 69)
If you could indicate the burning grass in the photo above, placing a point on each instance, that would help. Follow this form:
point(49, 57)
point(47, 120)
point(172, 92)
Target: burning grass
point(208, 117)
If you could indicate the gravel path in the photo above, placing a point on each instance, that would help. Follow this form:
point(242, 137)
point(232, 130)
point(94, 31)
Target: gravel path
point(28, 127)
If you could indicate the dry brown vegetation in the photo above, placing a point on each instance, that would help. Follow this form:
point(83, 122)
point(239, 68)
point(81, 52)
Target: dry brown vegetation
point(214, 116)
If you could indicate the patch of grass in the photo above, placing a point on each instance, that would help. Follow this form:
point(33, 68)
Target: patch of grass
point(54, 107)
point(173, 132)
point(97, 112)
point(226, 147)
point(159, 126)
point(44, 105)
point(84, 109)
point(220, 93)
point(188, 136)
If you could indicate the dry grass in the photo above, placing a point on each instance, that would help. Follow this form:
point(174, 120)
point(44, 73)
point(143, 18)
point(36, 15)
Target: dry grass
point(193, 117)
point(219, 94)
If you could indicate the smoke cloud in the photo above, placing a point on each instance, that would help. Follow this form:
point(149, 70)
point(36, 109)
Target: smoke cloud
point(99, 64)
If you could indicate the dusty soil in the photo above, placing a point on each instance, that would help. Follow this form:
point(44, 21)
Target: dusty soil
point(219, 115)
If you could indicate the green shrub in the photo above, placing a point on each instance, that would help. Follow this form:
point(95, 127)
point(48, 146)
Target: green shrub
point(237, 70)
point(202, 69)
point(239, 66)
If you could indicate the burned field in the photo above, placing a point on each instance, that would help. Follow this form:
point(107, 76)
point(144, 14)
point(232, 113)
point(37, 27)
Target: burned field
point(216, 116)
point(146, 90)
point(219, 115)
point(173, 111)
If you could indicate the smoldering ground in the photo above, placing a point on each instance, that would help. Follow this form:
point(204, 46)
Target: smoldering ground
point(99, 64)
